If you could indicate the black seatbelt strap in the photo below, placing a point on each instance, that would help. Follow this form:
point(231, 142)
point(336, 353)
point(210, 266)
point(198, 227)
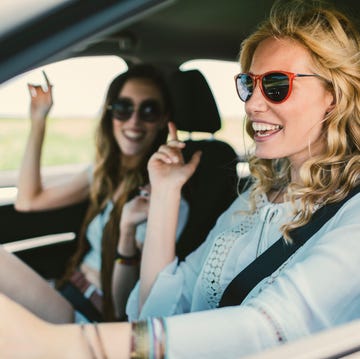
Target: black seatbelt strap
point(278, 253)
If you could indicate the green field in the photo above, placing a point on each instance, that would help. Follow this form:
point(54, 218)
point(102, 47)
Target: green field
point(66, 141)
point(70, 140)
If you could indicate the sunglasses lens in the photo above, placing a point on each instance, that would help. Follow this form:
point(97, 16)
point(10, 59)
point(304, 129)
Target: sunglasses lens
point(122, 109)
point(150, 111)
point(245, 86)
point(276, 86)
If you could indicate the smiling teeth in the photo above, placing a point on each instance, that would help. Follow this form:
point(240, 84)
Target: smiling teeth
point(264, 127)
point(133, 135)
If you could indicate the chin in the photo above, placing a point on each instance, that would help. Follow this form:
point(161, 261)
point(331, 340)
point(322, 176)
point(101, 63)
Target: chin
point(128, 153)
point(134, 151)
point(266, 155)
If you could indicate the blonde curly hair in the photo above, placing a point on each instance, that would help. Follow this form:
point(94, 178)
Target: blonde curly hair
point(334, 44)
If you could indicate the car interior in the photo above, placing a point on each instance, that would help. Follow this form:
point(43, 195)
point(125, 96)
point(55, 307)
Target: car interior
point(166, 33)
point(216, 174)
point(144, 31)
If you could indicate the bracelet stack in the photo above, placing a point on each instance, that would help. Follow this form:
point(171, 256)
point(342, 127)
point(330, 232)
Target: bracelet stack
point(148, 339)
point(128, 260)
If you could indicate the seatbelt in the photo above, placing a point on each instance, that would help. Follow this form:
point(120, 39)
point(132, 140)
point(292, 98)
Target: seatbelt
point(278, 253)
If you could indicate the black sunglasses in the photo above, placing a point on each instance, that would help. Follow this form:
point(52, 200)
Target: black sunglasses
point(148, 111)
point(276, 86)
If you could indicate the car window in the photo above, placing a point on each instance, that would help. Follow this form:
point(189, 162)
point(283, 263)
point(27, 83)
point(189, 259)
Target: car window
point(79, 87)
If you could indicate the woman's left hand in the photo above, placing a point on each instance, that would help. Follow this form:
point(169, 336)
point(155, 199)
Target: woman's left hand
point(133, 213)
point(136, 210)
point(41, 100)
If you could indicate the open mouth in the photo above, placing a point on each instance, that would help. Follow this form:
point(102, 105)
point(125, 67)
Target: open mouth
point(134, 135)
point(265, 129)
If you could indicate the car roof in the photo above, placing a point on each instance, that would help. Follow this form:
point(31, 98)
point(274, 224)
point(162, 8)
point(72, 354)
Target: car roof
point(186, 30)
point(165, 32)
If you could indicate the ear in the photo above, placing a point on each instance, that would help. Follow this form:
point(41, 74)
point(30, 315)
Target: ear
point(332, 103)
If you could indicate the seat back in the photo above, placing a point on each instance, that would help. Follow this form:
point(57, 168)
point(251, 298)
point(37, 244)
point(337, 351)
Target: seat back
point(213, 187)
point(194, 104)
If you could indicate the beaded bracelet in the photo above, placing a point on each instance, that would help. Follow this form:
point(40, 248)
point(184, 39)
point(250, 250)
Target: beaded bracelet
point(128, 260)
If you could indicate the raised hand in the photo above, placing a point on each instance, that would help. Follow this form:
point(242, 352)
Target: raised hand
point(167, 168)
point(41, 99)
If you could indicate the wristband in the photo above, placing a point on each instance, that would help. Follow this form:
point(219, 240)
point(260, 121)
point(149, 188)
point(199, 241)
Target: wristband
point(128, 260)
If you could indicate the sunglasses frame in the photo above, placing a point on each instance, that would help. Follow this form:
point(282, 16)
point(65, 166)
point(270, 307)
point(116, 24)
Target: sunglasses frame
point(255, 78)
point(136, 109)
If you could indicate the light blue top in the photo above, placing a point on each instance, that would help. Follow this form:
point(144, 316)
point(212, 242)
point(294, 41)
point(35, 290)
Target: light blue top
point(318, 287)
point(96, 227)
point(95, 231)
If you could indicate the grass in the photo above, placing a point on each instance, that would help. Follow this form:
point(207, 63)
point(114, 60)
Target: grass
point(71, 140)
point(67, 141)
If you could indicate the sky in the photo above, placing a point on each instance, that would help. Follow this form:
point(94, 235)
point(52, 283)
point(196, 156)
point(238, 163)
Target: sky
point(79, 86)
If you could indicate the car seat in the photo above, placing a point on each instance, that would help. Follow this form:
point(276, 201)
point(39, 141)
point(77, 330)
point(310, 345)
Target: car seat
point(213, 187)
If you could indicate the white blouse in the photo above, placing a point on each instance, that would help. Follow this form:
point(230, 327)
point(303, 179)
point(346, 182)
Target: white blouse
point(316, 288)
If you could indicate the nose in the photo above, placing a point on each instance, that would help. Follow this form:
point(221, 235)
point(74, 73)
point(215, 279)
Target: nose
point(134, 115)
point(256, 103)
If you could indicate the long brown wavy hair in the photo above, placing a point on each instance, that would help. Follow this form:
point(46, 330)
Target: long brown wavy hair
point(108, 173)
point(334, 44)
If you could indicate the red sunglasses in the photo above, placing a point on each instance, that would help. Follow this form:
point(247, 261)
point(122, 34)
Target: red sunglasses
point(276, 86)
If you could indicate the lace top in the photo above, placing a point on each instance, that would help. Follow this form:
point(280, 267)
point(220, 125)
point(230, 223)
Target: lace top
point(237, 238)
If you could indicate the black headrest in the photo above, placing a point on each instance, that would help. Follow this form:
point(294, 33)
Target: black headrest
point(195, 108)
